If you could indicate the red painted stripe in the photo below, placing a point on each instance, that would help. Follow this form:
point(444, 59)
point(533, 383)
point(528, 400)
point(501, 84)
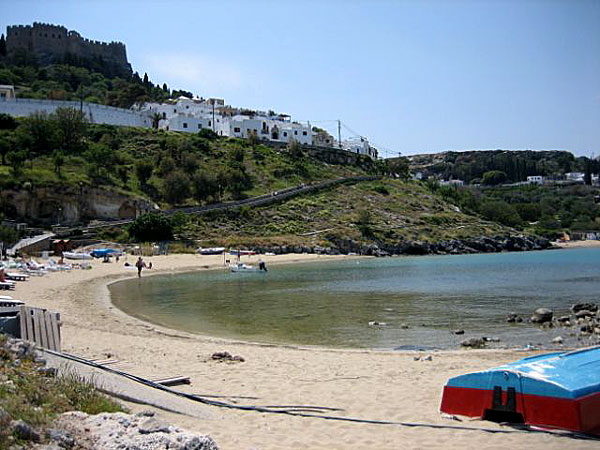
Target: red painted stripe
point(581, 415)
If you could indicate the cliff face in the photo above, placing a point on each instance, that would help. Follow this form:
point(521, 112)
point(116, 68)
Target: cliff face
point(69, 205)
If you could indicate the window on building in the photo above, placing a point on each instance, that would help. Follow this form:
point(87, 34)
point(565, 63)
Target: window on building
point(187, 106)
point(304, 133)
point(59, 36)
point(174, 110)
point(296, 132)
point(199, 125)
point(45, 34)
point(53, 35)
point(184, 125)
point(164, 115)
point(236, 130)
point(209, 123)
point(285, 133)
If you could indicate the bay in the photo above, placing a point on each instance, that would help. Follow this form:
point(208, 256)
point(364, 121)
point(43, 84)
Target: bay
point(331, 303)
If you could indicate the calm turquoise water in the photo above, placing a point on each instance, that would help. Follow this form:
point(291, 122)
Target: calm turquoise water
point(331, 304)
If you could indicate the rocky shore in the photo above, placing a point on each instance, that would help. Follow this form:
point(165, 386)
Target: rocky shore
point(517, 243)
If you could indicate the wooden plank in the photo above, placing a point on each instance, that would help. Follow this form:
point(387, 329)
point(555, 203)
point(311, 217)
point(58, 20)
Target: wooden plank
point(173, 381)
point(46, 340)
point(37, 329)
point(56, 330)
point(23, 321)
point(29, 336)
point(106, 362)
point(47, 327)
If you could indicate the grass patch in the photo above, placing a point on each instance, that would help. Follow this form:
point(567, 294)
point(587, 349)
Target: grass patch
point(37, 398)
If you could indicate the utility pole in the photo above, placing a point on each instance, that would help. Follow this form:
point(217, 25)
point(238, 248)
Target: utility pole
point(339, 133)
point(213, 124)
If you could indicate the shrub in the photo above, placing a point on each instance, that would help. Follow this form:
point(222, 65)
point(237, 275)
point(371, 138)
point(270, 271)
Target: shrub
point(151, 227)
point(176, 187)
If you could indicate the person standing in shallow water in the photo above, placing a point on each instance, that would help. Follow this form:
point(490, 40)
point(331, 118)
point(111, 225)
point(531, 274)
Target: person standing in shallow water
point(140, 264)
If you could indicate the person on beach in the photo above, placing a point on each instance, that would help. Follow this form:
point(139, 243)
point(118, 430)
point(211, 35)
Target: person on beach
point(140, 264)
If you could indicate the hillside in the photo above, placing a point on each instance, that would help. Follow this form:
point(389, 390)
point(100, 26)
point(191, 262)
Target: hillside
point(470, 166)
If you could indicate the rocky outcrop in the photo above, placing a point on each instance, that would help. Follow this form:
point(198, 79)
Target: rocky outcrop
point(451, 247)
point(70, 205)
point(112, 431)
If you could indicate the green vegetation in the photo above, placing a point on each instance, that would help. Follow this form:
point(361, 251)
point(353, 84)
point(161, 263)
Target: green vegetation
point(37, 397)
point(545, 210)
point(170, 168)
point(69, 82)
point(386, 212)
point(472, 166)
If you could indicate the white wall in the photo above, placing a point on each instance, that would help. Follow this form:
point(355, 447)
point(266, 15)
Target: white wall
point(23, 107)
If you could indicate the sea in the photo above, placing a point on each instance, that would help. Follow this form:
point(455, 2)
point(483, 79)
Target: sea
point(380, 303)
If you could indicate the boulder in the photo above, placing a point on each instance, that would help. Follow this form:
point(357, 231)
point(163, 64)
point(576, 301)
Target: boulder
point(584, 306)
point(153, 425)
point(557, 340)
point(22, 430)
point(513, 318)
point(473, 343)
point(542, 315)
point(582, 314)
point(459, 331)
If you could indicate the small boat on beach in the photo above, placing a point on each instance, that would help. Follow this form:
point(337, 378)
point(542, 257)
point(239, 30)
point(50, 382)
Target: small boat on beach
point(77, 255)
point(556, 390)
point(211, 251)
point(242, 252)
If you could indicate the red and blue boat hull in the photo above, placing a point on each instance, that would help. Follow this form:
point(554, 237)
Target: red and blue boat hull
point(559, 390)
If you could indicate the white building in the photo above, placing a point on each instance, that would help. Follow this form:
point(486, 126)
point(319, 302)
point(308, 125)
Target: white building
point(535, 179)
point(452, 183)
point(361, 146)
point(7, 92)
point(574, 176)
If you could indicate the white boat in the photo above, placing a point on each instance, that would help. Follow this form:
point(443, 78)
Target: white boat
point(211, 251)
point(241, 267)
point(10, 303)
point(77, 255)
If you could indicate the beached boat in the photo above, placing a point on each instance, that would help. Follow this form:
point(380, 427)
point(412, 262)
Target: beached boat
point(77, 255)
point(211, 251)
point(104, 252)
point(242, 252)
point(556, 390)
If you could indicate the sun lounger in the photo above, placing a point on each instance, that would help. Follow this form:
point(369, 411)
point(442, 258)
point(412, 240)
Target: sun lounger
point(17, 276)
point(6, 285)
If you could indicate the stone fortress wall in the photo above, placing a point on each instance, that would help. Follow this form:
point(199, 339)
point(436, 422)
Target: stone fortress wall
point(53, 43)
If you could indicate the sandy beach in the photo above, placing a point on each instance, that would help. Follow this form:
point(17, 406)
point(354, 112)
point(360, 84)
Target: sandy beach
point(374, 385)
point(578, 244)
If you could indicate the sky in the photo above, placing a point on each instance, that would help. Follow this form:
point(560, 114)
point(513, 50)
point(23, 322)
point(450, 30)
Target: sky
point(412, 76)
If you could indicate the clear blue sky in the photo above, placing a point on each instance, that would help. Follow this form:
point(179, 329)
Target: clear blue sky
point(413, 76)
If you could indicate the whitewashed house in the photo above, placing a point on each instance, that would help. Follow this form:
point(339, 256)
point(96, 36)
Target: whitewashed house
point(535, 179)
point(361, 146)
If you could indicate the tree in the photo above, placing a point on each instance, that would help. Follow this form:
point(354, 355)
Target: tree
point(156, 118)
point(494, 178)
point(176, 187)
point(295, 149)
point(151, 227)
point(38, 133)
point(2, 46)
point(7, 122)
point(399, 167)
point(237, 181)
point(100, 161)
point(145, 81)
point(8, 235)
point(143, 171)
point(165, 88)
point(6, 145)
point(204, 185)
point(17, 159)
point(364, 223)
point(58, 159)
point(72, 126)
point(189, 163)
point(501, 212)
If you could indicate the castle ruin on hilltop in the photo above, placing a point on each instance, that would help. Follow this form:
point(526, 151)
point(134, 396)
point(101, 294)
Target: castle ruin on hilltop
point(55, 44)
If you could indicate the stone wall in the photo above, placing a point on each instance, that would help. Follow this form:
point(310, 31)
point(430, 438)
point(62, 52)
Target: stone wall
point(23, 107)
point(53, 44)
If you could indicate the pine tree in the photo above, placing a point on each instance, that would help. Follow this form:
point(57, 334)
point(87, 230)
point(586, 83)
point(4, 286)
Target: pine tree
point(145, 79)
point(2, 46)
point(165, 88)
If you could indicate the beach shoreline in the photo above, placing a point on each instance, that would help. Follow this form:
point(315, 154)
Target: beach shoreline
point(370, 384)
